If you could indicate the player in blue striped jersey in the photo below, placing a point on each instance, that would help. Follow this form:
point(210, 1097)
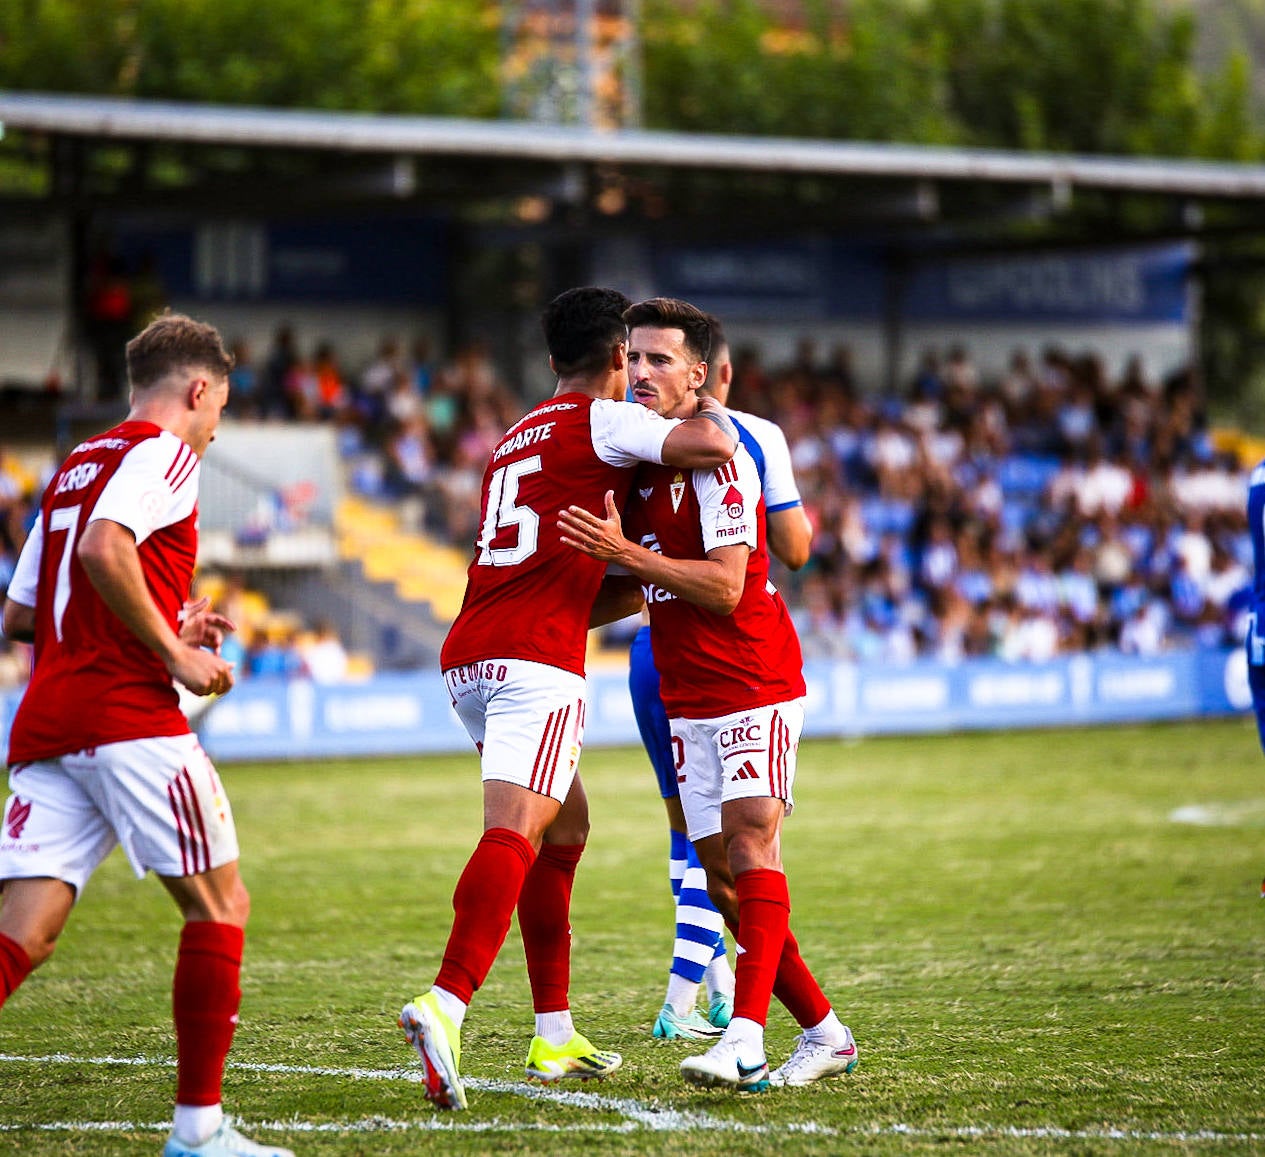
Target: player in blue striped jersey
point(698, 951)
point(1255, 641)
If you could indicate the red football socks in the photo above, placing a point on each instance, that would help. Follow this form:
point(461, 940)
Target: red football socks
point(484, 902)
point(544, 919)
point(15, 967)
point(206, 995)
point(797, 988)
point(764, 912)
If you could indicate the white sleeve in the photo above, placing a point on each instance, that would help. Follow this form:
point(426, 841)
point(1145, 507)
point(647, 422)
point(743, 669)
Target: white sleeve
point(781, 491)
point(26, 574)
point(155, 485)
point(727, 501)
point(625, 433)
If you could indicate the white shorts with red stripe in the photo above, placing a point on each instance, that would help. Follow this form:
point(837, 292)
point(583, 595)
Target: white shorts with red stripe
point(744, 755)
point(161, 799)
point(526, 719)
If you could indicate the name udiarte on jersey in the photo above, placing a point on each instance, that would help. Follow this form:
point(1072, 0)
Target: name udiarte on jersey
point(77, 477)
point(524, 438)
point(517, 437)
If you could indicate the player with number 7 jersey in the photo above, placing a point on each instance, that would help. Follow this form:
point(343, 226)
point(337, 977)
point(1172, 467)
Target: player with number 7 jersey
point(146, 479)
point(514, 666)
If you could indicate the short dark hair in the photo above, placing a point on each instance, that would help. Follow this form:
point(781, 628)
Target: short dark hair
point(582, 326)
point(672, 313)
point(716, 341)
point(173, 342)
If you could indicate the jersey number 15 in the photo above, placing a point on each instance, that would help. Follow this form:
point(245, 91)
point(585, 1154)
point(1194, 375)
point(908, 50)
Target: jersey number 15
point(504, 512)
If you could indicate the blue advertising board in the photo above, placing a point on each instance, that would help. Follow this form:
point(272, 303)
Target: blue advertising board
point(401, 714)
point(389, 260)
point(817, 279)
point(1137, 284)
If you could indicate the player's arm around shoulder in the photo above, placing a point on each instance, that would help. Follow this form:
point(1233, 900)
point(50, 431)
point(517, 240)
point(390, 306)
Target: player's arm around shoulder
point(707, 439)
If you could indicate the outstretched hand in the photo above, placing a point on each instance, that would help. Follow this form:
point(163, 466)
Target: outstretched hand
point(202, 627)
point(601, 538)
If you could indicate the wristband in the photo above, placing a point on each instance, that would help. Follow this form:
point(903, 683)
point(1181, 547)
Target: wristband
point(721, 419)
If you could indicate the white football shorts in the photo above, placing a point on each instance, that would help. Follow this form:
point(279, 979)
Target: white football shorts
point(161, 799)
point(744, 755)
point(526, 719)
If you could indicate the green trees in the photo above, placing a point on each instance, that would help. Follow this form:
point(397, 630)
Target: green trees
point(1093, 76)
point(414, 56)
point(1096, 76)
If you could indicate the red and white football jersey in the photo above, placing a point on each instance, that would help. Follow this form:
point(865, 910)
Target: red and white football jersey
point(528, 595)
point(93, 681)
point(711, 664)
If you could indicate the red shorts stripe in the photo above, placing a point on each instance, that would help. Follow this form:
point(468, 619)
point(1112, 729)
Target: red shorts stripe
point(204, 843)
point(560, 733)
point(178, 817)
point(546, 753)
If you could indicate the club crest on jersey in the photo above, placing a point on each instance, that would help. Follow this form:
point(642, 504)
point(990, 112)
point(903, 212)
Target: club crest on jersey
point(677, 490)
point(733, 502)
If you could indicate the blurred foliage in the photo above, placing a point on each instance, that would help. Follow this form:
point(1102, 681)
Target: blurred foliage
point(730, 67)
point(416, 56)
point(1096, 76)
point(1091, 76)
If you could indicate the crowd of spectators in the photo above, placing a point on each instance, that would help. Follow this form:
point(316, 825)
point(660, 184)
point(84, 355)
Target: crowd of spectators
point(1054, 509)
point(412, 429)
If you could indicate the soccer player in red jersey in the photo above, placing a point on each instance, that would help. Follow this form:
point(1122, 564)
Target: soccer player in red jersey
point(100, 753)
point(732, 683)
point(699, 948)
point(514, 665)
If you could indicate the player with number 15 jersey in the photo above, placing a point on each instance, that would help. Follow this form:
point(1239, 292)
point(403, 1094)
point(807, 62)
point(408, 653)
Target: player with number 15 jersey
point(514, 666)
point(527, 595)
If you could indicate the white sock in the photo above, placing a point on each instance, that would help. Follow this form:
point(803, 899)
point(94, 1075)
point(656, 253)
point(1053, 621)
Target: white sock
point(453, 1007)
point(682, 994)
point(748, 1035)
point(828, 1031)
point(719, 977)
point(194, 1124)
point(556, 1027)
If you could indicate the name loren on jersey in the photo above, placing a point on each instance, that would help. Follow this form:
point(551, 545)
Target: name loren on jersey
point(77, 477)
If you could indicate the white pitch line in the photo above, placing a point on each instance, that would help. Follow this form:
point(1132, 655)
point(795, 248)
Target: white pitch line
point(637, 1115)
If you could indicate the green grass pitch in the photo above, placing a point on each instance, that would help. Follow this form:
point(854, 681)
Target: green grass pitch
point(1045, 942)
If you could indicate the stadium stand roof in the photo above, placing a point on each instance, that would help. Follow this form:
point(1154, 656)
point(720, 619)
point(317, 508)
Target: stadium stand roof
point(117, 119)
point(845, 181)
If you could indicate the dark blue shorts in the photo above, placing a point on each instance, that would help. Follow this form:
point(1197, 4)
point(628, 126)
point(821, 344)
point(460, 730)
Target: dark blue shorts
point(652, 720)
point(1256, 681)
